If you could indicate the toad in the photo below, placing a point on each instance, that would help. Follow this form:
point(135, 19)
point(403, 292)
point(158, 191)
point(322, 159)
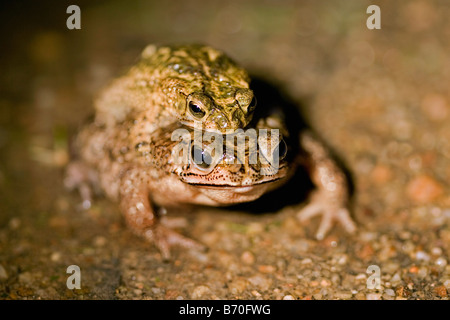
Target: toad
point(132, 150)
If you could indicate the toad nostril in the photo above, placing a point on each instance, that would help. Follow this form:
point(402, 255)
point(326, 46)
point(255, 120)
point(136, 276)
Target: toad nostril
point(219, 119)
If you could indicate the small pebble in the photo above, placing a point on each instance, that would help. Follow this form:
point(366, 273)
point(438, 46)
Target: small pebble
point(441, 291)
point(373, 296)
point(255, 228)
point(401, 291)
point(343, 259)
point(404, 235)
point(424, 189)
point(391, 267)
point(325, 283)
point(210, 238)
point(396, 278)
point(99, 241)
point(366, 252)
point(368, 236)
point(317, 296)
point(415, 163)
point(435, 107)
point(423, 272)
point(389, 292)
point(248, 258)
point(25, 277)
point(387, 297)
point(421, 255)
point(301, 245)
point(266, 269)
point(331, 241)
point(343, 295)
point(200, 291)
point(387, 252)
point(55, 256)
point(361, 276)
point(288, 297)
point(381, 174)
point(336, 279)
point(172, 294)
point(441, 262)
point(156, 290)
point(160, 270)
point(3, 273)
point(256, 293)
point(263, 283)
point(314, 283)
point(140, 285)
point(447, 283)
point(360, 296)
point(237, 286)
point(408, 247)
point(413, 269)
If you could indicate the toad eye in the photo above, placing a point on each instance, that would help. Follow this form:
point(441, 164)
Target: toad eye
point(196, 110)
point(280, 151)
point(251, 107)
point(202, 158)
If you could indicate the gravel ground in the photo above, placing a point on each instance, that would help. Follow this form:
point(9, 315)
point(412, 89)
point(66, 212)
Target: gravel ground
point(378, 97)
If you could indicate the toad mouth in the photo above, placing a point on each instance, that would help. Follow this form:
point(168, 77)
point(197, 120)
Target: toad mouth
point(236, 188)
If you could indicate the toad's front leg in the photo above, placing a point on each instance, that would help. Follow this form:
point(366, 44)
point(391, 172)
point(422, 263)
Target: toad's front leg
point(332, 195)
point(141, 218)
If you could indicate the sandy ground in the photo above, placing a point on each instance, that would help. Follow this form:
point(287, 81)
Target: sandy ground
point(378, 97)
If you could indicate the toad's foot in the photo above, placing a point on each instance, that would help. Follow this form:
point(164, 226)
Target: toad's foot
point(81, 177)
point(141, 217)
point(331, 196)
point(164, 238)
point(330, 210)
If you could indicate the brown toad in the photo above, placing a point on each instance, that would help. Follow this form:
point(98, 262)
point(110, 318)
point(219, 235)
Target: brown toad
point(135, 161)
point(185, 83)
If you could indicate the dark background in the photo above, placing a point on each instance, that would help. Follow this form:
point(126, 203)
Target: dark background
point(379, 98)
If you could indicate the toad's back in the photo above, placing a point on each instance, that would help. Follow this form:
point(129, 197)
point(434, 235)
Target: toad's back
point(182, 83)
